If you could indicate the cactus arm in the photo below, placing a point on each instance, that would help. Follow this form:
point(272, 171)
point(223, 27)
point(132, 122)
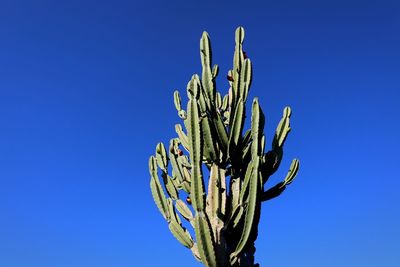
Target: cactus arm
point(182, 136)
point(238, 56)
point(272, 159)
point(197, 186)
point(177, 103)
point(247, 138)
point(173, 157)
point(177, 100)
point(187, 180)
point(204, 101)
point(162, 162)
point(220, 131)
point(218, 100)
point(175, 180)
point(176, 167)
point(262, 144)
point(283, 129)
point(204, 240)
point(246, 181)
point(237, 63)
point(169, 186)
point(161, 156)
point(184, 210)
point(246, 154)
point(271, 162)
point(235, 217)
point(246, 78)
point(186, 186)
point(215, 71)
point(236, 132)
point(210, 151)
point(273, 192)
point(280, 187)
point(225, 102)
point(202, 229)
point(248, 215)
point(181, 234)
point(179, 163)
point(176, 228)
point(294, 168)
point(214, 120)
point(157, 190)
point(257, 125)
point(207, 76)
point(187, 175)
point(254, 181)
point(173, 215)
point(237, 60)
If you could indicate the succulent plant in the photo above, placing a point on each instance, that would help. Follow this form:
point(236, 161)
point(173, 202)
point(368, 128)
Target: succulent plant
point(225, 215)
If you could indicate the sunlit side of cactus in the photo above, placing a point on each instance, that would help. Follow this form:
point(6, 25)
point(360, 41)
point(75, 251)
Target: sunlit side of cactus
point(225, 215)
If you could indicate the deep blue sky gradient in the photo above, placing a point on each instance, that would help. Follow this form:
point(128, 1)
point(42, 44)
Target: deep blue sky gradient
point(86, 93)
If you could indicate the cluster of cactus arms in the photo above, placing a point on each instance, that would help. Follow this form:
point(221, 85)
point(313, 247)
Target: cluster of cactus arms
point(224, 216)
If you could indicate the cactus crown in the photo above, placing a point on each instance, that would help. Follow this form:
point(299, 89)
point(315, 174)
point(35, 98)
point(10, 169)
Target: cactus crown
point(225, 216)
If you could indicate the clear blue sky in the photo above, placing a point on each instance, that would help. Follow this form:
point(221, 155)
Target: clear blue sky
point(86, 93)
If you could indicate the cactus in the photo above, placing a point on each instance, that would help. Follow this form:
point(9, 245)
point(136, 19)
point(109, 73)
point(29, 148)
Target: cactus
point(225, 214)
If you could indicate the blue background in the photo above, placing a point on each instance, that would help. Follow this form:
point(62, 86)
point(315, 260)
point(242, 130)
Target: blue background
point(86, 93)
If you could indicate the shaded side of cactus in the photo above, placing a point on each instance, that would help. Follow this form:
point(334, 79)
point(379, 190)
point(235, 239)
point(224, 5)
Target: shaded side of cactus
point(224, 171)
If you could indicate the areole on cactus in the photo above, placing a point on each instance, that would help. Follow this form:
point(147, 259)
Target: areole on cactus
point(224, 217)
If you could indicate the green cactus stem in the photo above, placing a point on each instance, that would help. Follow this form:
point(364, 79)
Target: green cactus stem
point(212, 148)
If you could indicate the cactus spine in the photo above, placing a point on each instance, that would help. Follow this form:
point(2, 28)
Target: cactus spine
point(225, 216)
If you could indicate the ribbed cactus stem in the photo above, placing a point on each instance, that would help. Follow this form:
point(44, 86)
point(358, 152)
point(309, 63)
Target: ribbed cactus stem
point(214, 172)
